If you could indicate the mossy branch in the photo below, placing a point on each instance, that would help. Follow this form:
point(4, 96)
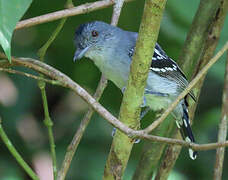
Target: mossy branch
point(132, 99)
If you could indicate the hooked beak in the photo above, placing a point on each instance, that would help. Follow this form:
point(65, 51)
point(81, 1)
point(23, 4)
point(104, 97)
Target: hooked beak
point(79, 53)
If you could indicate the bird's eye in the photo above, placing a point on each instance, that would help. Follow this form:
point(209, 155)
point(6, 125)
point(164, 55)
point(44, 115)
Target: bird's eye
point(94, 33)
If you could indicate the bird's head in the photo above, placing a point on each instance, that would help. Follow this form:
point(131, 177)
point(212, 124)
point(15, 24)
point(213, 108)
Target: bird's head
point(90, 38)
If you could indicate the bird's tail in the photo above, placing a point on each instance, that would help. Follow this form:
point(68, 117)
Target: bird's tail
point(186, 130)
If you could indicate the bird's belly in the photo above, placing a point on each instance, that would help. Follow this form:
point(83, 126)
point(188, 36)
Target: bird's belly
point(157, 103)
point(116, 75)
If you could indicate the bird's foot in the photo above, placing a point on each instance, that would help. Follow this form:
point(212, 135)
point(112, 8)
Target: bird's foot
point(136, 141)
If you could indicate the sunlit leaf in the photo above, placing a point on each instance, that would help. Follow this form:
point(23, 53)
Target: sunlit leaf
point(10, 13)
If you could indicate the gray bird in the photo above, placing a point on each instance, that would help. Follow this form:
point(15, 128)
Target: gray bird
point(111, 49)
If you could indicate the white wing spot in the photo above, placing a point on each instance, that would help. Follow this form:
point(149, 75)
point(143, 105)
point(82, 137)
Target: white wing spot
point(155, 69)
point(174, 67)
point(185, 123)
point(157, 52)
point(162, 70)
point(169, 69)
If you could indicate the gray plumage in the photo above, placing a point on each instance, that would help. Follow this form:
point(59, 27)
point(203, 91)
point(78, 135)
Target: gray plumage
point(111, 50)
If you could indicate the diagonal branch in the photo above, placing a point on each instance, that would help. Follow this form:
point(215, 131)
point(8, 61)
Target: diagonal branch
point(12, 71)
point(82, 9)
point(69, 83)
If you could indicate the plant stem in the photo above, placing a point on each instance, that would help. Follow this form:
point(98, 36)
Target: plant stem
point(15, 154)
point(47, 121)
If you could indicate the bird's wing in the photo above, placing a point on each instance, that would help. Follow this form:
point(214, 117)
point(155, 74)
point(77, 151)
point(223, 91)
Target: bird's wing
point(166, 67)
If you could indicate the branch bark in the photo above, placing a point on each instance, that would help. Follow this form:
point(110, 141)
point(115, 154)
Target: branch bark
point(132, 99)
point(220, 152)
point(82, 9)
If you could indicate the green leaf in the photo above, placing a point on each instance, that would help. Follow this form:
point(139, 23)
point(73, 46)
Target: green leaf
point(10, 13)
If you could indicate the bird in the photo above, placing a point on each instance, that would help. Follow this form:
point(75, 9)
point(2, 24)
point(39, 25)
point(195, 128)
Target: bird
point(111, 49)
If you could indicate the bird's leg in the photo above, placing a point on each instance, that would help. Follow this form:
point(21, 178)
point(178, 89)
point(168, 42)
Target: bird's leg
point(143, 113)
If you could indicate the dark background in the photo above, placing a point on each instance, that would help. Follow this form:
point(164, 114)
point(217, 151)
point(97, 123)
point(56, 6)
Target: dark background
point(23, 114)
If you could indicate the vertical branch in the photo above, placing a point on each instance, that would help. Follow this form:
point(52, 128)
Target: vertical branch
point(170, 156)
point(132, 99)
point(15, 154)
point(220, 152)
point(209, 45)
point(84, 123)
point(47, 120)
point(197, 35)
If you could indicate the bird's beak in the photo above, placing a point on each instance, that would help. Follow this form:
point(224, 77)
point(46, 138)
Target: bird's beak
point(79, 53)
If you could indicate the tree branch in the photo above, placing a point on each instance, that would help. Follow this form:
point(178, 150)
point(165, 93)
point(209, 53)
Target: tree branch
point(220, 152)
point(12, 71)
point(82, 9)
point(132, 99)
point(68, 83)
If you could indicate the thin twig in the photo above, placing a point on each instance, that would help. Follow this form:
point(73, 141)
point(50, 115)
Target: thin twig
point(187, 90)
point(47, 121)
point(82, 9)
point(84, 123)
point(220, 152)
point(12, 71)
point(15, 154)
point(68, 83)
point(78, 135)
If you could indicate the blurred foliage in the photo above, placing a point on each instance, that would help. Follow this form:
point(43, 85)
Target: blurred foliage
point(23, 120)
point(8, 21)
